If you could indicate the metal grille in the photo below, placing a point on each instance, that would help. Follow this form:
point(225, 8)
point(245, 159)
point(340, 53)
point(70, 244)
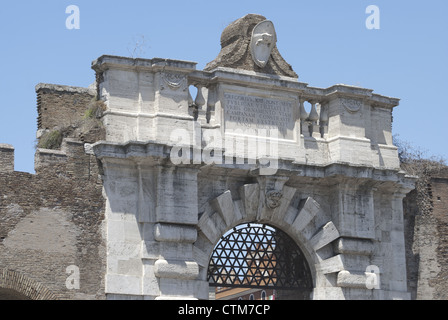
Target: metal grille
point(258, 256)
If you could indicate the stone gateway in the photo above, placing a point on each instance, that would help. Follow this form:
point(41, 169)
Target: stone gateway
point(336, 192)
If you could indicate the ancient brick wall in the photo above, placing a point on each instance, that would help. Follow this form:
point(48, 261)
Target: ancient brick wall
point(53, 219)
point(427, 241)
point(59, 106)
point(439, 190)
point(6, 158)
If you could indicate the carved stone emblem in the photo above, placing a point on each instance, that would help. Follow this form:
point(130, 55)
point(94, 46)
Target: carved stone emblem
point(273, 198)
point(175, 81)
point(263, 41)
point(351, 105)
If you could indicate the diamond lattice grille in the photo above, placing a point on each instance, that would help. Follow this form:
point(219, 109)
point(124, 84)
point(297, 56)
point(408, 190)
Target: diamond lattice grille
point(258, 256)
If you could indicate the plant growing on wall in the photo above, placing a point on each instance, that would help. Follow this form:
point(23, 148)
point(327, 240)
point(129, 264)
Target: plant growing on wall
point(89, 128)
point(415, 162)
point(50, 140)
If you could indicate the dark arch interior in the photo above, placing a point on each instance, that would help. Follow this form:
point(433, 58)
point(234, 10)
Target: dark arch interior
point(255, 261)
point(9, 294)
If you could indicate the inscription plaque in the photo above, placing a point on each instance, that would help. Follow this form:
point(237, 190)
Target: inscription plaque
point(253, 113)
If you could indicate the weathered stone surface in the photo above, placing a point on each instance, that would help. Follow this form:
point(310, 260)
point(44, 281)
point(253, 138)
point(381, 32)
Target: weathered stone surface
point(250, 198)
point(173, 269)
point(174, 233)
point(123, 284)
point(353, 280)
point(332, 265)
point(307, 212)
point(353, 246)
point(328, 234)
point(224, 205)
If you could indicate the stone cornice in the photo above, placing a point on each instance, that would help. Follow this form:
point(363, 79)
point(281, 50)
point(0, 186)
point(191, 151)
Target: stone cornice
point(253, 79)
point(243, 77)
point(156, 64)
point(153, 153)
point(62, 88)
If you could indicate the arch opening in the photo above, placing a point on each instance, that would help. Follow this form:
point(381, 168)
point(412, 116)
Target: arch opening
point(10, 294)
point(261, 261)
point(16, 286)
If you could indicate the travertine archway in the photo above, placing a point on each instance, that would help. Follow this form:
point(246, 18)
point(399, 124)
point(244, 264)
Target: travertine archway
point(225, 213)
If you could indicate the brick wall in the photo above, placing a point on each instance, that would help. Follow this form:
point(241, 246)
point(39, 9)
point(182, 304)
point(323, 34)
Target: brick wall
point(59, 106)
point(6, 158)
point(53, 219)
point(439, 190)
point(427, 241)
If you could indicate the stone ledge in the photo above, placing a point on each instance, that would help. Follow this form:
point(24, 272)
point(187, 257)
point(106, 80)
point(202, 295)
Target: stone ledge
point(63, 88)
point(57, 153)
point(155, 64)
point(151, 150)
point(6, 147)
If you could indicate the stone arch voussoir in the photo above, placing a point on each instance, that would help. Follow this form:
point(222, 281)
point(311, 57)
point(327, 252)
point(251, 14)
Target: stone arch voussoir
point(224, 213)
point(18, 282)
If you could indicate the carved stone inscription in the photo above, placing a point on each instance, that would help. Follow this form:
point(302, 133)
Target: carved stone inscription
point(255, 112)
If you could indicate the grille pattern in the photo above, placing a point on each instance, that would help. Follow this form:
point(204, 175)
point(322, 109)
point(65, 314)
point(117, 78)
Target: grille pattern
point(258, 256)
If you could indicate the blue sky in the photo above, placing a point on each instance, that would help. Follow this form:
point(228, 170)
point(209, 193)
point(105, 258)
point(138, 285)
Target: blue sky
point(325, 41)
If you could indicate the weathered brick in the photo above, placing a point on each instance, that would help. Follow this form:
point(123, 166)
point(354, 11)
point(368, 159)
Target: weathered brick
point(65, 191)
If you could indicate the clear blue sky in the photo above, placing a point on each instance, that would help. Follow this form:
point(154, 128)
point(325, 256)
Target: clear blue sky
point(325, 41)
